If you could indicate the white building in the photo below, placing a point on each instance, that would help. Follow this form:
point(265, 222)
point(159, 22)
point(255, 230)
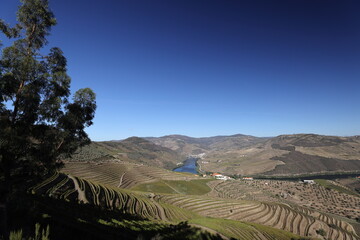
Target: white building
point(248, 178)
point(309, 181)
point(221, 177)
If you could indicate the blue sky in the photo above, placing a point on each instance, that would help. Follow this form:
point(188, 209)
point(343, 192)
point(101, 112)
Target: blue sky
point(205, 68)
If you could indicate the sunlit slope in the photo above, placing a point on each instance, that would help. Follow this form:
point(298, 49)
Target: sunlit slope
point(288, 154)
point(147, 206)
point(242, 230)
point(236, 154)
point(76, 189)
point(281, 216)
point(189, 187)
point(329, 198)
point(178, 207)
point(133, 150)
point(123, 175)
point(188, 145)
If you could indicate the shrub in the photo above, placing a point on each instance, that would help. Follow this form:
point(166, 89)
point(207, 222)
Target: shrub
point(321, 232)
point(39, 235)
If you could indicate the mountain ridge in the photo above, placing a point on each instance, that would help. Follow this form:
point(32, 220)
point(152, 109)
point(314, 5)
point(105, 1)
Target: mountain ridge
point(132, 150)
point(236, 154)
point(248, 155)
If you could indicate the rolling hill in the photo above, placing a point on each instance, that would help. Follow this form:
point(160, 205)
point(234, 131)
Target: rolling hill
point(185, 145)
point(238, 219)
point(281, 155)
point(115, 180)
point(133, 150)
point(235, 154)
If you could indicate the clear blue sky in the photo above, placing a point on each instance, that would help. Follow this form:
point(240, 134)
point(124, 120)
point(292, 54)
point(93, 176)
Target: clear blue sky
point(204, 68)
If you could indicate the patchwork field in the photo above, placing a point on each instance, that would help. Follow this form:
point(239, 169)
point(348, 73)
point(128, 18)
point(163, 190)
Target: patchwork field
point(190, 187)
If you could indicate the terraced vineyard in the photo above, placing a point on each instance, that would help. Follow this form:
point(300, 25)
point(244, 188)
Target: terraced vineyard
point(239, 190)
point(76, 189)
point(280, 216)
point(231, 218)
point(313, 196)
point(240, 230)
point(123, 175)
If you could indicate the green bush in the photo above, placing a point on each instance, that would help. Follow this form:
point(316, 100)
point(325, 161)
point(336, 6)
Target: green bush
point(321, 232)
point(39, 235)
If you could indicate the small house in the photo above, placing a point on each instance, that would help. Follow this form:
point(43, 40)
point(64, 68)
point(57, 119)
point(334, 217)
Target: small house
point(309, 181)
point(248, 178)
point(216, 174)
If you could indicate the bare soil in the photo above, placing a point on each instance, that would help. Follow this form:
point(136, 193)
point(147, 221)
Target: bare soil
point(298, 163)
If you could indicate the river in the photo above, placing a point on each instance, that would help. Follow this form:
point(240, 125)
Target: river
point(189, 166)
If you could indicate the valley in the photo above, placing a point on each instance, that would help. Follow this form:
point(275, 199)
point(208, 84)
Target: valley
point(281, 155)
point(135, 177)
point(85, 107)
point(241, 209)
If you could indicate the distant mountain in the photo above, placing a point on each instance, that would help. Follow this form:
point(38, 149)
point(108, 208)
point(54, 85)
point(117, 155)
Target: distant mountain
point(185, 145)
point(311, 153)
point(282, 155)
point(235, 154)
point(133, 149)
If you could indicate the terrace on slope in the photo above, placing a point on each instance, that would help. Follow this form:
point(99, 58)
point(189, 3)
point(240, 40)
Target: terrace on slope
point(275, 215)
point(133, 150)
point(123, 175)
point(313, 196)
point(149, 207)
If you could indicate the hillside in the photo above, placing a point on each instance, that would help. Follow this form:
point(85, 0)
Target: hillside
point(310, 153)
point(188, 145)
point(282, 155)
point(326, 196)
point(133, 150)
point(235, 154)
point(124, 175)
point(227, 217)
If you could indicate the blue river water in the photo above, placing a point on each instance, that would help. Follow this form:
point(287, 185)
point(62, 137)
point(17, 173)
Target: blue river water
point(189, 166)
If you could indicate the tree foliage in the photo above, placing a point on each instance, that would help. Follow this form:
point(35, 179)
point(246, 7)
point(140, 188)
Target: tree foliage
point(38, 119)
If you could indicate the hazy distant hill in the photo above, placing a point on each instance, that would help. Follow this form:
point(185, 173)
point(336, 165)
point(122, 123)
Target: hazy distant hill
point(285, 154)
point(188, 145)
point(236, 154)
point(134, 150)
point(310, 153)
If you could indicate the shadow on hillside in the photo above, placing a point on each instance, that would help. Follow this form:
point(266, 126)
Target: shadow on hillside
point(68, 220)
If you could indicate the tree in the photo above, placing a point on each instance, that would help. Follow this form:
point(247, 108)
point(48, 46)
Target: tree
point(38, 120)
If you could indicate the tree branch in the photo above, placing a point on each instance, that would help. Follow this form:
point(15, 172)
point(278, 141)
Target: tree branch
point(60, 144)
point(17, 101)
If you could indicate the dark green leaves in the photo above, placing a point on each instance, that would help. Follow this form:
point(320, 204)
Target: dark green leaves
point(9, 31)
point(38, 121)
point(36, 19)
